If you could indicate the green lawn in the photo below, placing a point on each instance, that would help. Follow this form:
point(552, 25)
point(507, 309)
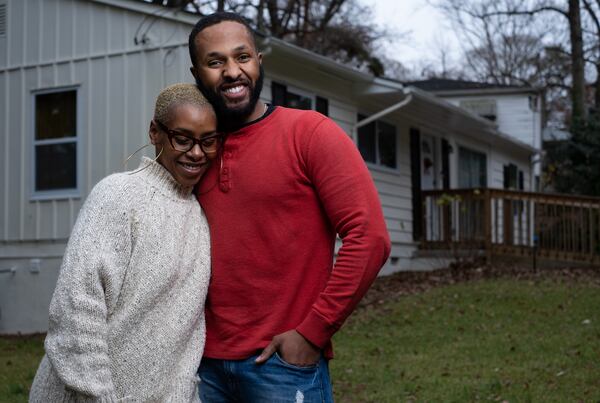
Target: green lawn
point(487, 340)
point(19, 359)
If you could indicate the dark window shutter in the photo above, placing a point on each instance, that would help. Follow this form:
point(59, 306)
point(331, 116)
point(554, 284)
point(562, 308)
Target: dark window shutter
point(278, 93)
point(446, 164)
point(521, 181)
point(415, 168)
point(367, 142)
point(322, 106)
point(512, 177)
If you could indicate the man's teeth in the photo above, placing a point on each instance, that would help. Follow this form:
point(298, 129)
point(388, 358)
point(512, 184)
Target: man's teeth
point(234, 90)
point(189, 166)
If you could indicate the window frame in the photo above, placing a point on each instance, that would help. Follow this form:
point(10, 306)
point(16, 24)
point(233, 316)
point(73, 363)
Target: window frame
point(478, 105)
point(314, 97)
point(473, 150)
point(377, 164)
point(56, 194)
point(296, 91)
point(304, 94)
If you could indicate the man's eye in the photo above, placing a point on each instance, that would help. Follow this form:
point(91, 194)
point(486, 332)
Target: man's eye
point(214, 63)
point(244, 58)
point(182, 140)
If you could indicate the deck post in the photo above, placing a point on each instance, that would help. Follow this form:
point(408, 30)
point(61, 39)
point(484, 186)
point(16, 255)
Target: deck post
point(487, 211)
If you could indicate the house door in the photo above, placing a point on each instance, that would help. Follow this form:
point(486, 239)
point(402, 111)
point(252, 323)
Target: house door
point(429, 165)
point(429, 179)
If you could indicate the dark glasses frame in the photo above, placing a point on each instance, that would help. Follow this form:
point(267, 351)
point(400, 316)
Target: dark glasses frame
point(207, 144)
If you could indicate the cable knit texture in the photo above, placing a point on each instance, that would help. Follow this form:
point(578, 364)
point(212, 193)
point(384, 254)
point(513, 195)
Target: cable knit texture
point(127, 315)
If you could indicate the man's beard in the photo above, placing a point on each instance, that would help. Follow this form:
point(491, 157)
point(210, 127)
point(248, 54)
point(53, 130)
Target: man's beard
point(231, 118)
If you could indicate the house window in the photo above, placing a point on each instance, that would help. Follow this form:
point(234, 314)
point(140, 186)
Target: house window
point(513, 178)
point(486, 108)
point(377, 143)
point(472, 168)
point(290, 97)
point(55, 143)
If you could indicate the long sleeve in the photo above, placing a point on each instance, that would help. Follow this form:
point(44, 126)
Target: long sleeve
point(351, 202)
point(97, 254)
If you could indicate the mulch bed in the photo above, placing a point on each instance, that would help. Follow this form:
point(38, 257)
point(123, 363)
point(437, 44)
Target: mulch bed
point(392, 287)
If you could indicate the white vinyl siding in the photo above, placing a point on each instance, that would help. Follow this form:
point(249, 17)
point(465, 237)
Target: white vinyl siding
point(517, 115)
point(62, 44)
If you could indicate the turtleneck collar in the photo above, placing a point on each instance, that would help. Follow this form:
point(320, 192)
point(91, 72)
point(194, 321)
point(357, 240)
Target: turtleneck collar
point(158, 176)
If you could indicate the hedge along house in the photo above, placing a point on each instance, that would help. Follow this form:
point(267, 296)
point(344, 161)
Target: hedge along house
point(78, 79)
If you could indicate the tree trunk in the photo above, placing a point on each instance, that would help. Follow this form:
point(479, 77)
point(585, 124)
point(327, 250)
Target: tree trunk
point(260, 17)
point(597, 91)
point(577, 61)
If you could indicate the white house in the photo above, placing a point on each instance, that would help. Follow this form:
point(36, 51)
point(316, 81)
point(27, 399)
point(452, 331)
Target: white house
point(78, 79)
point(515, 110)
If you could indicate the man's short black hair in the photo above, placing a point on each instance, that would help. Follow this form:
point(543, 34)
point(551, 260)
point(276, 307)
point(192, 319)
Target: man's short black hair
point(214, 19)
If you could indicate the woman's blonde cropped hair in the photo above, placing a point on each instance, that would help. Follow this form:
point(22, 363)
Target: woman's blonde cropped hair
point(175, 95)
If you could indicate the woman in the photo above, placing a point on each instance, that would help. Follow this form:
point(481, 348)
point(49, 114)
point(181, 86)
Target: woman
point(127, 315)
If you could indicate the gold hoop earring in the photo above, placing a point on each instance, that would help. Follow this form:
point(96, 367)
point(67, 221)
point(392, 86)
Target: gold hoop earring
point(141, 148)
point(134, 153)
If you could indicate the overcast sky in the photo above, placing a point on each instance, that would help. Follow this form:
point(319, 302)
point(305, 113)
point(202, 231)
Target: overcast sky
point(428, 29)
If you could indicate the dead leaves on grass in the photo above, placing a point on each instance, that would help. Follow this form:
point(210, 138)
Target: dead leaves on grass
point(393, 287)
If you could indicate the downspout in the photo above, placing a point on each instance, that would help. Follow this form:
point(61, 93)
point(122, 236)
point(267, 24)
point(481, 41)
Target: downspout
point(380, 114)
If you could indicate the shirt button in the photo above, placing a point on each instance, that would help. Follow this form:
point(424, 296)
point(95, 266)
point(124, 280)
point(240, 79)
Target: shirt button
point(224, 187)
point(227, 154)
point(225, 170)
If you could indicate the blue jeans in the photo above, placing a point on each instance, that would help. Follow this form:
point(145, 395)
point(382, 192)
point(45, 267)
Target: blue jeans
point(275, 381)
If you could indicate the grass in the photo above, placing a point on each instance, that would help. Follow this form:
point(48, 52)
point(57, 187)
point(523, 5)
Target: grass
point(487, 340)
point(490, 340)
point(19, 359)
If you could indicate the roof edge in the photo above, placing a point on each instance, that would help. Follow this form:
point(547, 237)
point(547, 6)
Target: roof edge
point(488, 91)
point(491, 127)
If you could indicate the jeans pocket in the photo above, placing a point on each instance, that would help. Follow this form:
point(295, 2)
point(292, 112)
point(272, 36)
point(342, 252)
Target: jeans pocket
point(283, 362)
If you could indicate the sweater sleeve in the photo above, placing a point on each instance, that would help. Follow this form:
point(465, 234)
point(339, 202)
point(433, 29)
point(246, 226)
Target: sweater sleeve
point(350, 200)
point(98, 250)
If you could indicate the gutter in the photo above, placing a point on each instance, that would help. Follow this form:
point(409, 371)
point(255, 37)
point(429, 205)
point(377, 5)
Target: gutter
point(486, 91)
point(381, 113)
point(152, 10)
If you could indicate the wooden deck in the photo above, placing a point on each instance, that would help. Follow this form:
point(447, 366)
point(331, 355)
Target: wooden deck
point(505, 222)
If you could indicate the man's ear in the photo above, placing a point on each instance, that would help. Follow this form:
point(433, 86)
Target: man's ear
point(194, 73)
point(260, 57)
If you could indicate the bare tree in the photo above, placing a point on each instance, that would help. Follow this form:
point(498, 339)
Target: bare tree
point(593, 51)
point(525, 14)
point(341, 29)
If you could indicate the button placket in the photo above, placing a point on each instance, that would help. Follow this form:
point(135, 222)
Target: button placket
point(224, 175)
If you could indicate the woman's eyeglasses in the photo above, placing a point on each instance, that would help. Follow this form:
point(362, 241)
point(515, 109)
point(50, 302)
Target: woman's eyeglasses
point(183, 143)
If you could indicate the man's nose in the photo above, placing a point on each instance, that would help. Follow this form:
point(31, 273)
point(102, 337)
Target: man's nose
point(232, 69)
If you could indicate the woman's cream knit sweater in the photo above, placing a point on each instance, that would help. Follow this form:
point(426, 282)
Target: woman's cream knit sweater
point(127, 315)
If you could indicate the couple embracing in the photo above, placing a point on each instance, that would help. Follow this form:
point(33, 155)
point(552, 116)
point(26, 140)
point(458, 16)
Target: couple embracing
point(232, 299)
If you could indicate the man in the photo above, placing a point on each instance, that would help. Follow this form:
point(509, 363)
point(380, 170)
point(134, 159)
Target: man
point(287, 183)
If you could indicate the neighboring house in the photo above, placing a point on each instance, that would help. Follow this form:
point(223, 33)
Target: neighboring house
point(515, 110)
point(78, 80)
point(552, 138)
